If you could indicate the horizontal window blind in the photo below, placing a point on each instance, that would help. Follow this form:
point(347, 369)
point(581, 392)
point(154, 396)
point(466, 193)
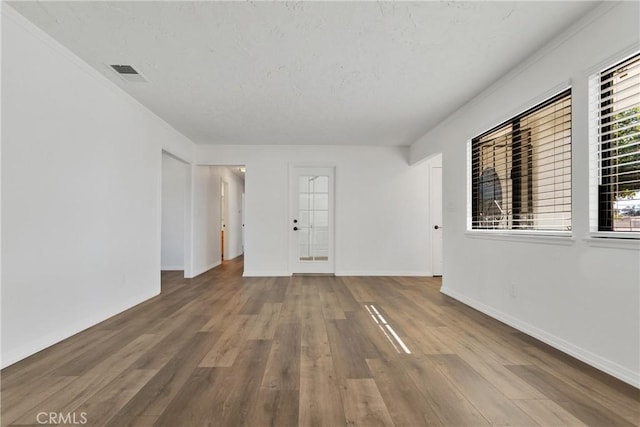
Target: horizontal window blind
point(521, 171)
point(618, 146)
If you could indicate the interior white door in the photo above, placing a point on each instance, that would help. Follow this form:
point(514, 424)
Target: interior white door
point(435, 213)
point(224, 211)
point(311, 220)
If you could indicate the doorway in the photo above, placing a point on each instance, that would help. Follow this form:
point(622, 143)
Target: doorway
point(175, 201)
point(312, 220)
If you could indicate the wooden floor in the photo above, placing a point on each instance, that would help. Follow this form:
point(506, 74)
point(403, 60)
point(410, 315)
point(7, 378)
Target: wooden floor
point(226, 351)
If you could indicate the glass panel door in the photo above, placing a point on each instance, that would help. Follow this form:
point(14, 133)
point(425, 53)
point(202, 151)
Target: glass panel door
point(312, 222)
point(313, 214)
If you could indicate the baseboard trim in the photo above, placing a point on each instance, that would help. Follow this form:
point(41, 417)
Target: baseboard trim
point(385, 273)
point(234, 257)
point(266, 274)
point(343, 273)
point(202, 270)
point(172, 268)
point(592, 359)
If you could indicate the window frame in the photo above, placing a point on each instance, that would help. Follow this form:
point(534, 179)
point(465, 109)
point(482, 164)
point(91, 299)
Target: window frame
point(595, 128)
point(541, 235)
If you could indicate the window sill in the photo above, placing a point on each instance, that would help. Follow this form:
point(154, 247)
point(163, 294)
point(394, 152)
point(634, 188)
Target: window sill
point(614, 240)
point(547, 239)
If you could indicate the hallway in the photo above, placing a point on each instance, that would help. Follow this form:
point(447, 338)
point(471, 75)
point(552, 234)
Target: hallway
point(225, 350)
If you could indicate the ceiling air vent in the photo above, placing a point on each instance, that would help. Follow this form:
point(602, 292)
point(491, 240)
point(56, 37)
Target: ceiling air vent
point(124, 69)
point(128, 73)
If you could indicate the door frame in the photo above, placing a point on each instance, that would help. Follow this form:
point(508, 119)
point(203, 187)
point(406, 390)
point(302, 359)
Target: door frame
point(224, 218)
point(436, 163)
point(292, 205)
point(188, 212)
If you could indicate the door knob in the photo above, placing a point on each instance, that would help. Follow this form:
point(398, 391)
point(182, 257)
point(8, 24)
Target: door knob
point(295, 228)
point(437, 227)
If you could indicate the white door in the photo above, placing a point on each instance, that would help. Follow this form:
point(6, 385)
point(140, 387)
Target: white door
point(242, 220)
point(435, 213)
point(224, 209)
point(311, 220)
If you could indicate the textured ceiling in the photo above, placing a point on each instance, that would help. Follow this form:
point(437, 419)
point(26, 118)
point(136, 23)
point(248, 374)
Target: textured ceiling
point(334, 73)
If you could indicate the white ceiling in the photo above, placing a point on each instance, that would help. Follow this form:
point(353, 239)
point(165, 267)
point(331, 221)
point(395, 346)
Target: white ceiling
point(376, 73)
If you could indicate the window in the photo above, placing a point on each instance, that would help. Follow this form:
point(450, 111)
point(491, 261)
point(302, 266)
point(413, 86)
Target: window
point(617, 147)
point(521, 171)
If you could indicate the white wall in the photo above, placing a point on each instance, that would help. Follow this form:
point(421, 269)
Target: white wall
point(174, 196)
point(580, 296)
point(381, 221)
point(206, 220)
point(81, 185)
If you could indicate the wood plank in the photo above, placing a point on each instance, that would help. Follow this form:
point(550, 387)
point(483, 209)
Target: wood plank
point(97, 353)
point(191, 406)
point(406, 305)
point(239, 387)
point(406, 405)
point(27, 403)
point(480, 341)
point(259, 295)
point(440, 339)
point(509, 384)
point(578, 403)
point(493, 405)
point(349, 350)
point(227, 347)
point(427, 339)
point(363, 404)
point(224, 312)
point(320, 403)
point(84, 387)
point(277, 408)
point(619, 397)
point(377, 339)
point(450, 405)
point(345, 297)
point(314, 339)
point(283, 367)
point(226, 395)
point(153, 398)
point(291, 310)
point(114, 396)
point(265, 324)
point(157, 356)
point(279, 289)
point(548, 413)
point(22, 374)
point(331, 305)
point(359, 290)
point(389, 316)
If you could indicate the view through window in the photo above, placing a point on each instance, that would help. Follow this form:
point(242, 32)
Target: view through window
point(619, 147)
